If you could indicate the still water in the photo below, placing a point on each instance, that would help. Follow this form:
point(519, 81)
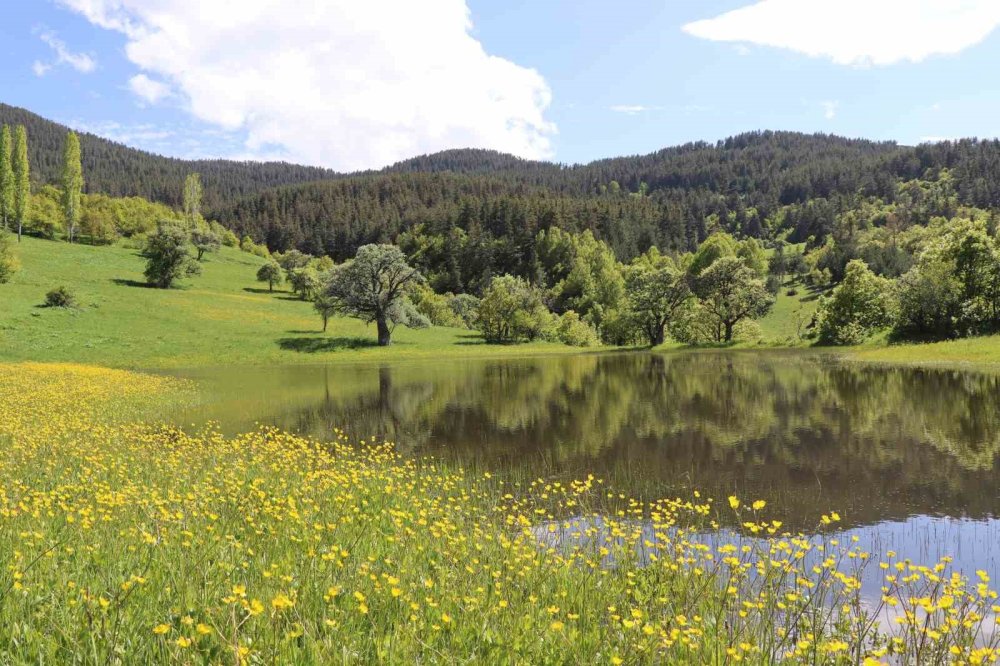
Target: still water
point(908, 457)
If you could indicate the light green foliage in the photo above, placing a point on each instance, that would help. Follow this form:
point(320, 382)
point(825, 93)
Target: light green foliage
point(106, 218)
point(718, 245)
point(512, 310)
point(466, 308)
point(46, 216)
point(168, 256)
point(22, 179)
point(324, 305)
point(436, 307)
point(305, 282)
point(192, 197)
point(6, 178)
point(372, 287)
point(581, 272)
point(205, 240)
point(72, 185)
point(731, 291)
point(270, 273)
point(574, 331)
point(9, 263)
point(753, 255)
point(250, 247)
point(656, 288)
point(861, 304)
point(954, 288)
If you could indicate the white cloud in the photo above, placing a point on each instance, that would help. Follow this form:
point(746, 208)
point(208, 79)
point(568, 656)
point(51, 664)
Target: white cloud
point(830, 109)
point(632, 109)
point(81, 62)
point(340, 83)
point(149, 90)
point(857, 32)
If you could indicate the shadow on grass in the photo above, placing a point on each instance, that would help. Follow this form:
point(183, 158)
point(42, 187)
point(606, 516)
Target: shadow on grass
point(121, 282)
point(262, 290)
point(315, 345)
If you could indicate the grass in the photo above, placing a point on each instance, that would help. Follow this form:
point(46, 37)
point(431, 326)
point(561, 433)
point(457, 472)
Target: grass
point(128, 541)
point(980, 352)
point(222, 317)
point(786, 323)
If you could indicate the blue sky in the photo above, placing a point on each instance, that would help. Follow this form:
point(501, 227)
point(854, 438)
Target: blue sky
point(362, 84)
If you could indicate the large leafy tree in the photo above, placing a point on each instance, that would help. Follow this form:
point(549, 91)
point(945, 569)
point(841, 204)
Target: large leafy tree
point(859, 305)
point(22, 179)
point(6, 178)
point(372, 288)
point(512, 310)
point(168, 256)
point(72, 184)
point(656, 288)
point(731, 291)
point(270, 273)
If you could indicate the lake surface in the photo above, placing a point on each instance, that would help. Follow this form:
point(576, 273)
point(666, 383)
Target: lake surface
point(908, 457)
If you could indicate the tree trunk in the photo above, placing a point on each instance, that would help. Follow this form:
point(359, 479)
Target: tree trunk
point(656, 336)
point(270, 285)
point(384, 339)
point(729, 331)
point(20, 226)
point(325, 319)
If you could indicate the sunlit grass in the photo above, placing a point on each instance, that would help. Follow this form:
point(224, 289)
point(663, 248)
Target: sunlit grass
point(135, 543)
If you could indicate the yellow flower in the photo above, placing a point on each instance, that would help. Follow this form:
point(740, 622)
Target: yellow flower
point(256, 607)
point(557, 626)
point(183, 642)
point(282, 603)
point(759, 504)
point(734, 502)
point(203, 629)
point(161, 629)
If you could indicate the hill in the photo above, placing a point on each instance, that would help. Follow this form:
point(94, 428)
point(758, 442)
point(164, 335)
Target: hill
point(117, 170)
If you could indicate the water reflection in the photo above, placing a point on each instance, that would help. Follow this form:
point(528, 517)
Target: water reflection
point(805, 433)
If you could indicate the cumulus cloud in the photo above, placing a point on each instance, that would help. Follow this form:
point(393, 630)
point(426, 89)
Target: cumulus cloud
point(341, 83)
point(81, 62)
point(147, 89)
point(857, 32)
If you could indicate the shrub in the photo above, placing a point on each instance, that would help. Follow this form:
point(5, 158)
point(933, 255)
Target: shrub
point(857, 307)
point(465, 307)
point(575, 332)
point(8, 262)
point(60, 297)
point(512, 310)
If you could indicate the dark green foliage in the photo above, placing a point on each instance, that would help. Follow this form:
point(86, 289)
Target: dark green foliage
point(861, 304)
point(730, 291)
point(512, 310)
point(168, 256)
point(60, 297)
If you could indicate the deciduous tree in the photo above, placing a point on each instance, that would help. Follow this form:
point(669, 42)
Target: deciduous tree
point(72, 184)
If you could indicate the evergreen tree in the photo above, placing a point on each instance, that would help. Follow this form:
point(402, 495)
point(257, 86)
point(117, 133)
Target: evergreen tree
point(6, 178)
point(22, 179)
point(72, 184)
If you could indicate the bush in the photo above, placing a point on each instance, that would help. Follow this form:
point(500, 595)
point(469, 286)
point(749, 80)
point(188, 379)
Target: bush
point(856, 308)
point(512, 310)
point(465, 307)
point(575, 332)
point(60, 297)
point(8, 262)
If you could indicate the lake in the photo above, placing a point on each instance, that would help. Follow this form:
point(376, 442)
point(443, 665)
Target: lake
point(908, 457)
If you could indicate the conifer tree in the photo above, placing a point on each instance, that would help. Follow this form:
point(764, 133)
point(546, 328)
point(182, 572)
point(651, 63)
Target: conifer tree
point(72, 184)
point(22, 179)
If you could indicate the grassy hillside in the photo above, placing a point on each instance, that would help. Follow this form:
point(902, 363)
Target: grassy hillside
point(221, 317)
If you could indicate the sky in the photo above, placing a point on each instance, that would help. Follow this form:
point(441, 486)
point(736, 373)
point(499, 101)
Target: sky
point(356, 84)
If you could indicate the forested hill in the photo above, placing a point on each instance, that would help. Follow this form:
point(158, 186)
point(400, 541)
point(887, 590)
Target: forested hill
point(754, 184)
point(117, 170)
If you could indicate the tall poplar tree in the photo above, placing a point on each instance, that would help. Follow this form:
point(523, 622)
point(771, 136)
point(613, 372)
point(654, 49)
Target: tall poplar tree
point(72, 183)
point(192, 197)
point(22, 179)
point(6, 178)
